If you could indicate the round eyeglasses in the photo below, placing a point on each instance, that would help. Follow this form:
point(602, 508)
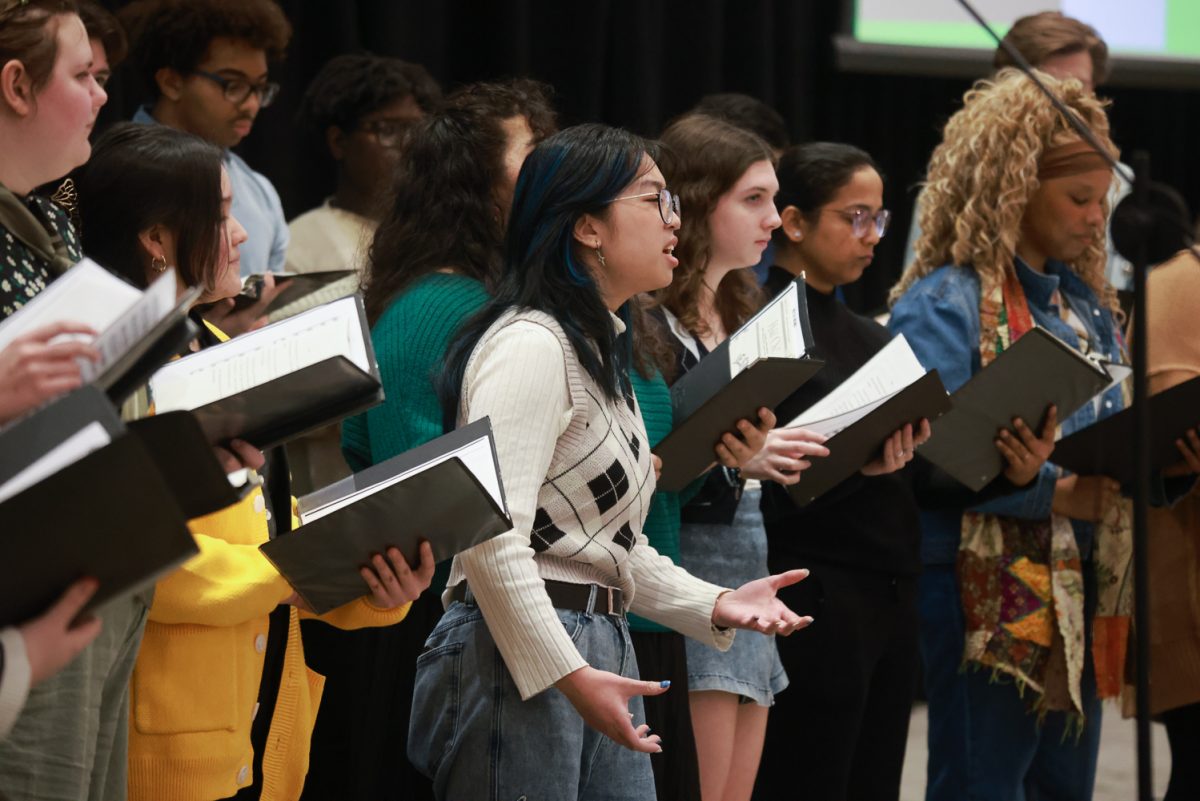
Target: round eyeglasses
point(861, 221)
point(236, 90)
point(668, 203)
point(388, 131)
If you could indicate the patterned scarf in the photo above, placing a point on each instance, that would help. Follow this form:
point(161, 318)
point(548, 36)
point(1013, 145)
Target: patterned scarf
point(1022, 581)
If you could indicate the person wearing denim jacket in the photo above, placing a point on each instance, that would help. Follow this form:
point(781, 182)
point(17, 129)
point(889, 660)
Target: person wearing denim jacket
point(1013, 241)
point(939, 315)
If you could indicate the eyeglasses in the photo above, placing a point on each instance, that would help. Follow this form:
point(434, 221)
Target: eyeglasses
point(668, 203)
point(236, 90)
point(388, 131)
point(860, 220)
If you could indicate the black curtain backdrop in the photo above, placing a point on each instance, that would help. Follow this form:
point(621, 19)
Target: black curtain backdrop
point(638, 63)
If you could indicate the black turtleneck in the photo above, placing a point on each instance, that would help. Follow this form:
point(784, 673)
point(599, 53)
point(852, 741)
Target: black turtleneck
point(867, 523)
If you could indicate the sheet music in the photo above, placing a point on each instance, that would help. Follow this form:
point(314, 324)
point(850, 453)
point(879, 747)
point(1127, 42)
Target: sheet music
point(773, 332)
point(261, 356)
point(126, 331)
point(86, 293)
point(90, 438)
point(889, 371)
point(477, 456)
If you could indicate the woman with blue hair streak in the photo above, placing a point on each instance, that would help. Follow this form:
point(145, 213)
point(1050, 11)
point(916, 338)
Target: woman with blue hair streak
point(528, 685)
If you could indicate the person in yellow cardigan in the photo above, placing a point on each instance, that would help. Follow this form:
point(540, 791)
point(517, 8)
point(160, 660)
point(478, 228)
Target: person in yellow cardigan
point(151, 197)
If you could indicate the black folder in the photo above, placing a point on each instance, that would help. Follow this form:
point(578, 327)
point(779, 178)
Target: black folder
point(688, 449)
point(300, 285)
point(1106, 448)
point(291, 406)
point(109, 515)
point(283, 408)
point(1036, 371)
point(445, 504)
point(861, 442)
point(706, 403)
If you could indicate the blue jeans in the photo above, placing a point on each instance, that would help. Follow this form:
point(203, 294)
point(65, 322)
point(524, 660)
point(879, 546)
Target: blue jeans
point(473, 735)
point(984, 743)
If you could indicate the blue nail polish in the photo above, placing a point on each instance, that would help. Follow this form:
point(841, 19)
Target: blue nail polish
point(665, 683)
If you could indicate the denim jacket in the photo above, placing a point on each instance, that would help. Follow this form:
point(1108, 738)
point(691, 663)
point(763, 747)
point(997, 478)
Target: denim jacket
point(939, 315)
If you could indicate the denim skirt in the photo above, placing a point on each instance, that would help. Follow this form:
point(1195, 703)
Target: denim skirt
point(731, 555)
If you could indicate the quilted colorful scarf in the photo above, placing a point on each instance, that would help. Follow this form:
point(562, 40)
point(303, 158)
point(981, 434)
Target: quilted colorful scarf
point(1021, 580)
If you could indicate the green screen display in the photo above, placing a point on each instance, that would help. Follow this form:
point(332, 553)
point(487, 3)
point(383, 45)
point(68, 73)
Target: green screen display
point(1145, 28)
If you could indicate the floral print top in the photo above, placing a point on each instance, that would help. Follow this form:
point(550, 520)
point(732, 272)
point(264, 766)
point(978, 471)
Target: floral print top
point(23, 273)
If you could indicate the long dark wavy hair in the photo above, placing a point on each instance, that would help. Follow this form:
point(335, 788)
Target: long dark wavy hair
point(577, 171)
point(443, 207)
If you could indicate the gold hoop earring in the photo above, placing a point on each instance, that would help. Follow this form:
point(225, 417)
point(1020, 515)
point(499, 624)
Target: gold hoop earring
point(600, 256)
point(158, 264)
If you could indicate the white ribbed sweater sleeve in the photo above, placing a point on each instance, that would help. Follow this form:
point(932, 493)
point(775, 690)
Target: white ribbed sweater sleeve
point(15, 680)
point(673, 597)
point(519, 380)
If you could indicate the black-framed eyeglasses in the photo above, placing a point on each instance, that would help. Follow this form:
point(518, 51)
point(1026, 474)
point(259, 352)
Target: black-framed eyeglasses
point(862, 220)
point(236, 90)
point(668, 203)
point(388, 131)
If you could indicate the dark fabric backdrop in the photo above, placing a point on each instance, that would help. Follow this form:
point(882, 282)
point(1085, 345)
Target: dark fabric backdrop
point(637, 63)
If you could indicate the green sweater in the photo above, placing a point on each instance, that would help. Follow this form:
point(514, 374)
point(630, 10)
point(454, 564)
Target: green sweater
point(662, 521)
point(411, 338)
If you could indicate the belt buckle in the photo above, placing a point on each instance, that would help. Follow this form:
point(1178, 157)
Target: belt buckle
point(611, 606)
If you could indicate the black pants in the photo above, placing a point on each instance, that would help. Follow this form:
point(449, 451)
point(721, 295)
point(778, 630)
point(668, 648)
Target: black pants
point(360, 743)
point(839, 731)
point(1183, 734)
point(661, 655)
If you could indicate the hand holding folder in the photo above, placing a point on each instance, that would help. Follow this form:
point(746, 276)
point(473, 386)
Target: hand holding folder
point(1037, 371)
point(448, 491)
point(864, 413)
point(759, 365)
point(1106, 448)
point(134, 331)
point(81, 494)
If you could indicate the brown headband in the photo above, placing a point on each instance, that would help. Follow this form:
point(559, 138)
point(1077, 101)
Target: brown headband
point(1074, 159)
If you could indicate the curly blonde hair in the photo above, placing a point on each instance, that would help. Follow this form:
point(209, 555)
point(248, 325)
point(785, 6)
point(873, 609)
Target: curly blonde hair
point(984, 173)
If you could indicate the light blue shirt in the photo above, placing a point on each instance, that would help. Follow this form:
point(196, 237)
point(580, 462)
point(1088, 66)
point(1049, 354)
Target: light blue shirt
point(256, 206)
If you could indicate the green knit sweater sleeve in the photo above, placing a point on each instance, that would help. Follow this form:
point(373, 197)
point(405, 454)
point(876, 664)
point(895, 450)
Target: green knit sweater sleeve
point(662, 521)
point(411, 338)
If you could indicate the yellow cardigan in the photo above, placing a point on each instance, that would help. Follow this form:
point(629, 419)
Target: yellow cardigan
point(195, 685)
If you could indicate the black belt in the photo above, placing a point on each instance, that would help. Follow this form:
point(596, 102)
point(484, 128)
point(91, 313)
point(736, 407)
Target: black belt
point(590, 598)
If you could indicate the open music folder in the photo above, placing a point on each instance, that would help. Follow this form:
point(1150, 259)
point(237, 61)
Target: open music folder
point(1105, 448)
point(448, 491)
point(760, 364)
point(279, 382)
point(891, 390)
point(1037, 370)
point(136, 331)
point(83, 495)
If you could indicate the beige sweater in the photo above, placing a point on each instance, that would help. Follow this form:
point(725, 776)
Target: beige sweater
point(1174, 344)
point(578, 479)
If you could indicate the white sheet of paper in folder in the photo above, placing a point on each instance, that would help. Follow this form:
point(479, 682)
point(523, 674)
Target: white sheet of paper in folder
point(477, 456)
point(887, 372)
point(775, 332)
point(261, 356)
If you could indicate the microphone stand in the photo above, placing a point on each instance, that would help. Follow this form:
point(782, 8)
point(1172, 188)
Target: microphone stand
point(1140, 229)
